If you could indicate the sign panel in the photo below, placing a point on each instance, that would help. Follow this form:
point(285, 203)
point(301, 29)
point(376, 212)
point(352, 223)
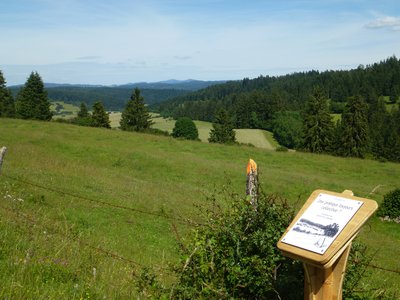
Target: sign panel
point(321, 223)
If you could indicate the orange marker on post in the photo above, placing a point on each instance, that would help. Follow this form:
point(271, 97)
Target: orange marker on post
point(252, 183)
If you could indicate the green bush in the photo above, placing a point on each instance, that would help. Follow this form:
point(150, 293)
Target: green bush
point(233, 255)
point(186, 129)
point(281, 149)
point(391, 205)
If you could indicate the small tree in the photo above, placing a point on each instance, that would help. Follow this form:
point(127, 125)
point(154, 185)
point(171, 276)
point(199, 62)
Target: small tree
point(186, 129)
point(83, 118)
point(7, 107)
point(317, 124)
point(354, 128)
point(83, 111)
point(222, 131)
point(99, 116)
point(135, 116)
point(32, 101)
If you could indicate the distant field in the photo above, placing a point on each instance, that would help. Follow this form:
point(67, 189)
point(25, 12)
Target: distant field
point(258, 138)
point(63, 110)
point(83, 210)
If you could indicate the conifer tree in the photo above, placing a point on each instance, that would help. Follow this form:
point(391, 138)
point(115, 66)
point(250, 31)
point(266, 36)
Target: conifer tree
point(392, 136)
point(317, 124)
point(222, 131)
point(378, 118)
point(83, 111)
point(99, 116)
point(135, 116)
point(7, 107)
point(354, 128)
point(32, 101)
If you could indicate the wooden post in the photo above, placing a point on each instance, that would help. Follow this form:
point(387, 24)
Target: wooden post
point(252, 183)
point(320, 284)
point(3, 151)
point(324, 271)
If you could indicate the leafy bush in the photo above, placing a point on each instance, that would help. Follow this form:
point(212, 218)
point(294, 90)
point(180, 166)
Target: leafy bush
point(156, 131)
point(391, 205)
point(186, 129)
point(234, 255)
point(282, 149)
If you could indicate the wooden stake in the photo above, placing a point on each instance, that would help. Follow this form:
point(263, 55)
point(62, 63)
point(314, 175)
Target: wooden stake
point(3, 151)
point(252, 183)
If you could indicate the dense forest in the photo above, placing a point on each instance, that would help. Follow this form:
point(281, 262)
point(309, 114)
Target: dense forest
point(265, 95)
point(299, 108)
point(115, 97)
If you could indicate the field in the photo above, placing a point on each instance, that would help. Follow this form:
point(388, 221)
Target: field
point(82, 210)
point(256, 137)
point(63, 110)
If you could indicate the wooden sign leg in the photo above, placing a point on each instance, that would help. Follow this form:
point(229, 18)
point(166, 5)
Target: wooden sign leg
point(326, 284)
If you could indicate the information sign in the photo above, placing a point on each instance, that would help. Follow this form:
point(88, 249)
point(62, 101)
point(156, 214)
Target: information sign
point(321, 223)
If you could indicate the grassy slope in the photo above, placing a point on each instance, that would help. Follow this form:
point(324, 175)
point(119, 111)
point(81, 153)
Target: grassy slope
point(48, 238)
point(259, 138)
point(68, 111)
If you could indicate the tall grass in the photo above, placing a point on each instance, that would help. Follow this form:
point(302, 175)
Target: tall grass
point(83, 209)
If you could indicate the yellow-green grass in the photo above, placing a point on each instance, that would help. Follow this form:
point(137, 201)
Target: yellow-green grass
point(55, 245)
point(115, 117)
point(258, 138)
point(67, 112)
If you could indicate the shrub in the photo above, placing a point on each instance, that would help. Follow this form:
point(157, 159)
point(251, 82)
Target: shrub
point(282, 149)
point(233, 255)
point(186, 129)
point(156, 131)
point(391, 205)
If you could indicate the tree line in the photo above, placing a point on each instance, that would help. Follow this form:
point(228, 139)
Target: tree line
point(363, 101)
point(32, 103)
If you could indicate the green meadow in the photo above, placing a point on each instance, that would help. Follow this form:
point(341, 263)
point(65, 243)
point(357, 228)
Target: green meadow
point(256, 137)
point(83, 210)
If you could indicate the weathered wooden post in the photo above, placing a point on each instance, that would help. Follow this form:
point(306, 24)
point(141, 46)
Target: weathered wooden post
point(3, 151)
point(321, 235)
point(252, 183)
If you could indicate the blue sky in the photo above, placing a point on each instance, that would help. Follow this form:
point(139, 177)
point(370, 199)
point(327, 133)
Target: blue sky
point(121, 41)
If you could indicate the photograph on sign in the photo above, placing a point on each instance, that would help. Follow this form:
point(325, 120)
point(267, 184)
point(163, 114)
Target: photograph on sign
point(321, 223)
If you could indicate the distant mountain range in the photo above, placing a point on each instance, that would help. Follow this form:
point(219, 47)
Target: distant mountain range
point(188, 85)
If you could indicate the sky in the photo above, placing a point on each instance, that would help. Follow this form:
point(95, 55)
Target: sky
point(124, 41)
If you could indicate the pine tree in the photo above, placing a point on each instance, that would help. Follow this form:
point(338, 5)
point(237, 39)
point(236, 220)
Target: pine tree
point(83, 111)
point(7, 107)
point(317, 124)
point(135, 116)
point(378, 118)
point(99, 116)
point(222, 131)
point(392, 136)
point(32, 101)
point(354, 128)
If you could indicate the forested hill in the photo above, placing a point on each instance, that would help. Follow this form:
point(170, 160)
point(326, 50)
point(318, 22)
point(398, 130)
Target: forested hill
point(115, 97)
point(252, 102)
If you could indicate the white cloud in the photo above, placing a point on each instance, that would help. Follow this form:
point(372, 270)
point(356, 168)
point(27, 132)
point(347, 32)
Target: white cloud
point(392, 23)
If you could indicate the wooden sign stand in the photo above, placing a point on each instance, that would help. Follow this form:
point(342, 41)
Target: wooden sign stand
point(324, 272)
